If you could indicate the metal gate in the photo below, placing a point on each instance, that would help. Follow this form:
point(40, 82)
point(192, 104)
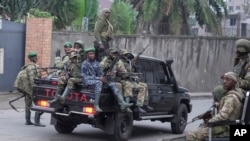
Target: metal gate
point(12, 50)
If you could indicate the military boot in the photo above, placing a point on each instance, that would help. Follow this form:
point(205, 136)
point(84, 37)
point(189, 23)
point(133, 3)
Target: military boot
point(64, 95)
point(127, 99)
point(97, 101)
point(27, 118)
point(57, 96)
point(139, 105)
point(122, 103)
point(37, 119)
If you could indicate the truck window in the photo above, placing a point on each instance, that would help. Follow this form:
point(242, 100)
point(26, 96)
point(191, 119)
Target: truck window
point(159, 76)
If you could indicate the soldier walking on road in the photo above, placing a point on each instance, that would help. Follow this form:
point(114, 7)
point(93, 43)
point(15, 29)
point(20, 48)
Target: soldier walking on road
point(241, 68)
point(103, 34)
point(93, 75)
point(229, 108)
point(24, 84)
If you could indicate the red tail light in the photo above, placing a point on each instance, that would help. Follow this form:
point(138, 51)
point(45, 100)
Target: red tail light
point(54, 82)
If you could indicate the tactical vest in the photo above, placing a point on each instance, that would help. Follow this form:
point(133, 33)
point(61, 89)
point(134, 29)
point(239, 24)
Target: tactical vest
point(21, 78)
point(240, 68)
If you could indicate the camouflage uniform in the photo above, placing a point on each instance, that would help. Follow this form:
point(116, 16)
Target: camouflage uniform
point(73, 70)
point(117, 69)
point(81, 56)
point(31, 72)
point(241, 67)
point(103, 34)
point(229, 108)
point(60, 62)
point(131, 81)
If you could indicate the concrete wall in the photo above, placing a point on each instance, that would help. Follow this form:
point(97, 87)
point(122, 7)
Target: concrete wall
point(198, 61)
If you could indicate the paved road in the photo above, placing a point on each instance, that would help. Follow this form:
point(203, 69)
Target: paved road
point(13, 128)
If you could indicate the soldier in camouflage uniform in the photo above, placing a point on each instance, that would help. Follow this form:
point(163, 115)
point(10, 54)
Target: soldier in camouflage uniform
point(31, 72)
point(131, 81)
point(79, 48)
point(60, 62)
point(241, 67)
point(229, 108)
point(71, 76)
point(93, 75)
point(103, 34)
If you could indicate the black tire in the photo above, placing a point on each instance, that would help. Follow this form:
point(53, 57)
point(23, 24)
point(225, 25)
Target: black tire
point(179, 122)
point(123, 127)
point(63, 128)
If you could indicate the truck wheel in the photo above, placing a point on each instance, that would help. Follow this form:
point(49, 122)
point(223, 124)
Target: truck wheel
point(179, 122)
point(123, 127)
point(63, 128)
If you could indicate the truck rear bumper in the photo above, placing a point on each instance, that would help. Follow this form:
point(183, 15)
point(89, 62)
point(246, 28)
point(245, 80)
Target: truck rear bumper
point(53, 111)
point(43, 109)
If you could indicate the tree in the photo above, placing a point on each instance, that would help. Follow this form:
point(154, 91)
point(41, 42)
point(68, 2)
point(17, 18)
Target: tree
point(65, 11)
point(15, 9)
point(123, 17)
point(171, 16)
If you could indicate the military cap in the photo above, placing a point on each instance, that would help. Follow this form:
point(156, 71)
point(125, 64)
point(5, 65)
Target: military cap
point(125, 52)
point(67, 44)
point(231, 75)
point(32, 54)
point(243, 45)
point(89, 49)
point(113, 50)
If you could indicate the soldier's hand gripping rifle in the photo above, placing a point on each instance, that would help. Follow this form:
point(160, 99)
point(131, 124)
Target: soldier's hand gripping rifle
point(205, 116)
point(109, 69)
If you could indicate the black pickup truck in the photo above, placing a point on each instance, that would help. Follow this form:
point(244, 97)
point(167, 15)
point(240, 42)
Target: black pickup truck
point(171, 103)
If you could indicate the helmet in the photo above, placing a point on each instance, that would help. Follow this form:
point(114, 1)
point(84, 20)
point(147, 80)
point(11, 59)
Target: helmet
point(73, 54)
point(67, 45)
point(124, 51)
point(113, 50)
point(80, 42)
point(243, 45)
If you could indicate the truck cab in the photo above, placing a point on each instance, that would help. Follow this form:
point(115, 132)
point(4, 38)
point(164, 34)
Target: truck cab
point(171, 103)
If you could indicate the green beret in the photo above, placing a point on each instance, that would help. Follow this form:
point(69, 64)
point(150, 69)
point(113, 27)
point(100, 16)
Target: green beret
point(89, 49)
point(67, 44)
point(32, 54)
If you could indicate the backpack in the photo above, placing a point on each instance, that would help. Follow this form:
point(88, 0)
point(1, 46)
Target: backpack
point(21, 81)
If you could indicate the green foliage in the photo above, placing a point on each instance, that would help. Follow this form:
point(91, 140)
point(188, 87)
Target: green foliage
point(149, 10)
point(81, 9)
point(122, 17)
point(15, 9)
point(91, 12)
point(41, 14)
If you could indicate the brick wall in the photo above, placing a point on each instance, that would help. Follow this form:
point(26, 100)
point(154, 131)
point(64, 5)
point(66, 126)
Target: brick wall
point(38, 38)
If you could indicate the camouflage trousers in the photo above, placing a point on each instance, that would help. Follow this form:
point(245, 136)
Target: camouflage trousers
point(28, 102)
point(68, 82)
point(127, 89)
point(96, 83)
point(202, 132)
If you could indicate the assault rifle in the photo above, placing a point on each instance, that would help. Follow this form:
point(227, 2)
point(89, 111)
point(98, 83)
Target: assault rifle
point(109, 69)
point(205, 116)
point(138, 55)
point(10, 102)
point(66, 73)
